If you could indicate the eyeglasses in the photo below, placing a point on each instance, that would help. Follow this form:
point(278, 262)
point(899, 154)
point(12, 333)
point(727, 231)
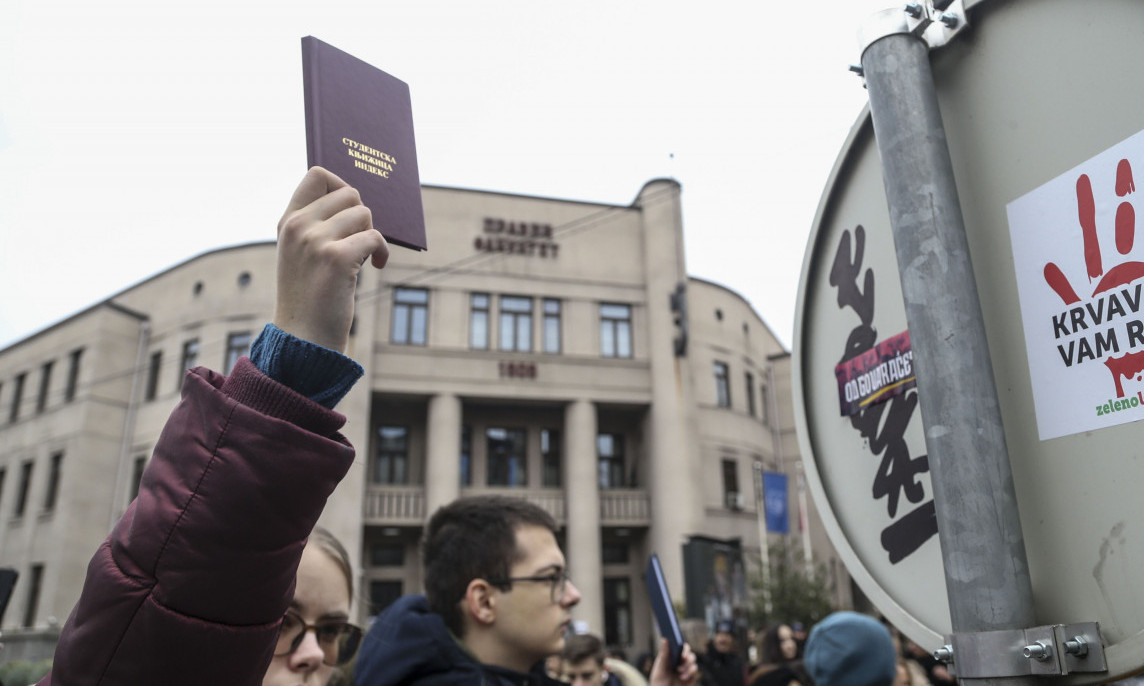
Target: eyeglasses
point(558, 581)
point(338, 639)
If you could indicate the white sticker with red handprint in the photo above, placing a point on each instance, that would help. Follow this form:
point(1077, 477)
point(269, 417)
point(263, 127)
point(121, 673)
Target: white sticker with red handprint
point(1080, 278)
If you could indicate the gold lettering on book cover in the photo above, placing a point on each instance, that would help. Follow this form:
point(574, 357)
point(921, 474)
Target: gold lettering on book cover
point(370, 159)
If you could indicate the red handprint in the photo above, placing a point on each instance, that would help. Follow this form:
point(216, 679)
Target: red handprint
point(1119, 275)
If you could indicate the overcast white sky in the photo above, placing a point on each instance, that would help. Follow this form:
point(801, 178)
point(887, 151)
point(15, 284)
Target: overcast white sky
point(135, 135)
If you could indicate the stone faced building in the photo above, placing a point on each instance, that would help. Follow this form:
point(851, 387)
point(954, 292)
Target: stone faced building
point(550, 349)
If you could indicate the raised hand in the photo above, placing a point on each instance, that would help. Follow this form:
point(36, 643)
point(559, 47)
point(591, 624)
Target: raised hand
point(685, 673)
point(324, 238)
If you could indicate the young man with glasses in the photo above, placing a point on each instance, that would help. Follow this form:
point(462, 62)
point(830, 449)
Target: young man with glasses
point(498, 602)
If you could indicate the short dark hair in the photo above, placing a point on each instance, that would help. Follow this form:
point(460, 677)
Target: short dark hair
point(580, 647)
point(473, 538)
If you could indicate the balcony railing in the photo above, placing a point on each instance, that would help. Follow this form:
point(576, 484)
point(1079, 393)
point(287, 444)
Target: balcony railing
point(551, 500)
point(394, 505)
point(625, 507)
point(405, 505)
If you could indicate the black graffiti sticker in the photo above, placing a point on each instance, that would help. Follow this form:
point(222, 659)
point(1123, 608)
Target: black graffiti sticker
point(883, 425)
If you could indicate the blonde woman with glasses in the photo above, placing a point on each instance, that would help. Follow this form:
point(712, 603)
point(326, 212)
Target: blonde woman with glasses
point(317, 636)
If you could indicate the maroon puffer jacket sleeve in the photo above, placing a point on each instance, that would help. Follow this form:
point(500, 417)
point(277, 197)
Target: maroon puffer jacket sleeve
point(192, 583)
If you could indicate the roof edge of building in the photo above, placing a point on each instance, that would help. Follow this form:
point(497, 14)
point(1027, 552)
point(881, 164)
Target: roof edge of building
point(109, 301)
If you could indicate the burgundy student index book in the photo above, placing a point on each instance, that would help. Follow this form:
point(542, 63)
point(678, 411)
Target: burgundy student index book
point(359, 125)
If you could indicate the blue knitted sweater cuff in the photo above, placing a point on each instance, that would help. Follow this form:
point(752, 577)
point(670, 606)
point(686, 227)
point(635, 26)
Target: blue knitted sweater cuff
point(320, 374)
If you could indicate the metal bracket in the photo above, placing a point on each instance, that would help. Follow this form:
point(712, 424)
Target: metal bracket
point(1051, 650)
point(944, 23)
point(934, 21)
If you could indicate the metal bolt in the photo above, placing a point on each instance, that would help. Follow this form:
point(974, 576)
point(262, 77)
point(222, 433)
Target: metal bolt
point(1038, 651)
point(857, 69)
point(944, 654)
point(950, 20)
point(914, 10)
point(1077, 646)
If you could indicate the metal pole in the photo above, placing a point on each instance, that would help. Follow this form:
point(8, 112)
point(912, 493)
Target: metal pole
point(986, 571)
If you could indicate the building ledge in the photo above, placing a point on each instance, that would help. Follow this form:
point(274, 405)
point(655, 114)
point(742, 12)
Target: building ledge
point(405, 505)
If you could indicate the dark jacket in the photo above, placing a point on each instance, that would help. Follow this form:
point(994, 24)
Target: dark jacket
point(410, 644)
point(778, 675)
point(193, 582)
point(721, 669)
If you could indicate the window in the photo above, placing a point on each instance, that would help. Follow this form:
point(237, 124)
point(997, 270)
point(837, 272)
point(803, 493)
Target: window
point(615, 330)
point(45, 383)
point(153, 374)
point(410, 315)
point(53, 482)
point(507, 457)
point(550, 457)
point(387, 555)
point(391, 461)
point(750, 394)
point(466, 455)
point(17, 393)
point(515, 323)
point(190, 359)
point(22, 492)
point(722, 386)
point(237, 345)
point(617, 611)
point(731, 493)
point(610, 450)
point(137, 476)
point(479, 321)
point(551, 325)
point(614, 553)
point(73, 375)
point(764, 402)
point(382, 594)
point(33, 605)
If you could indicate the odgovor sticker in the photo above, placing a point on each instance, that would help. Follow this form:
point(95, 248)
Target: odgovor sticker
point(1079, 280)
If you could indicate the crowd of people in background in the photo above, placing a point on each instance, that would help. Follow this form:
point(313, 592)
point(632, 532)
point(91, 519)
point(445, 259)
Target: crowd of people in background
point(849, 649)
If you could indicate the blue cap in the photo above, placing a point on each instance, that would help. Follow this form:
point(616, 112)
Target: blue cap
point(850, 649)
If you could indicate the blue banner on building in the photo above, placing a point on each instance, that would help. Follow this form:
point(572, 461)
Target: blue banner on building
point(775, 502)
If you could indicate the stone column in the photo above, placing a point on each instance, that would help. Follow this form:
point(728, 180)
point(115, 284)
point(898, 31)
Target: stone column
point(675, 471)
point(343, 515)
point(582, 512)
point(443, 452)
